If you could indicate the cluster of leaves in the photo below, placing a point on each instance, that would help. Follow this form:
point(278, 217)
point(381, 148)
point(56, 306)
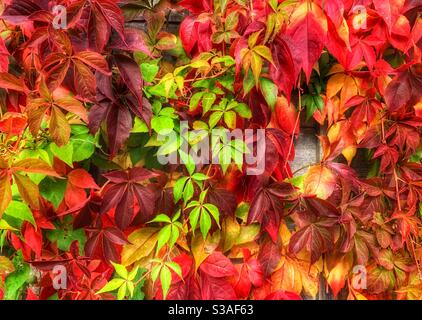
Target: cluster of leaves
point(83, 110)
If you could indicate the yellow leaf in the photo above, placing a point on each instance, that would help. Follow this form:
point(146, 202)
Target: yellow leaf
point(202, 248)
point(253, 38)
point(264, 52)
point(142, 243)
point(349, 153)
point(6, 266)
point(256, 65)
point(335, 84)
point(337, 276)
point(287, 278)
point(248, 233)
point(231, 231)
point(349, 90)
point(28, 190)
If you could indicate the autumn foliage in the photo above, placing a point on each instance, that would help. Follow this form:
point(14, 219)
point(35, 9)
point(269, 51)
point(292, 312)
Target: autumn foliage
point(81, 187)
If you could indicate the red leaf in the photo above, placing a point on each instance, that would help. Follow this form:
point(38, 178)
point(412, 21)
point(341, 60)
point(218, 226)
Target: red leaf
point(269, 255)
point(134, 40)
point(94, 60)
point(33, 238)
point(13, 123)
point(82, 179)
point(218, 265)
point(216, 288)
point(282, 71)
point(4, 57)
point(405, 89)
point(307, 32)
point(283, 295)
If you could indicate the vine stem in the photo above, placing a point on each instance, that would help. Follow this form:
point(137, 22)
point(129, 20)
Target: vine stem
point(208, 77)
point(142, 278)
point(304, 167)
point(397, 189)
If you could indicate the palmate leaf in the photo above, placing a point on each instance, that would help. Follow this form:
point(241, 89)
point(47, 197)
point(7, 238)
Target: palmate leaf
point(27, 188)
point(127, 186)
point(317, 233)
point(58, 64)
point(102, 241)
point(307, 37)
point(104, 15)
point(117, 108)
point(58, 124)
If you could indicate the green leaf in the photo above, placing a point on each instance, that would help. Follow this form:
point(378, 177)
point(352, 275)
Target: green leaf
point(165, 278)
point(270, 91)
point(187, 161)
point(137, 293)
point(15, 282)
point(176, 268)
point(66, 237)
point(133, 274)
point(215, 118)
point(113, 285)
point(193, 218)
point(248, 82)
point(178, 188)
point(121, 293)
point(163, 237)
point(188, 191)
point(170, 146)
point(207, 101)
point(53, 190)
point(161, 218)
point(120, 270)
point(155, 272)
point(162, 124)
point(230, 119)
point(228, 61)
point(83, 146)
point(174, 234)
point(243, 110)
point(319, 102)
point(4, 225)
point(205, 223)
point(149, 71)
point(139, 126)
point(21, 211)
point(194, 100)
point(227, 82)
point(64, 153)
point(199, 176)
point(242, 211)
point(214, 212)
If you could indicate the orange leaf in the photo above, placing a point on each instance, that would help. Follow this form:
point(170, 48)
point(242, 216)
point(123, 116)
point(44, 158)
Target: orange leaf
point(319, 181)
point(13, 123)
